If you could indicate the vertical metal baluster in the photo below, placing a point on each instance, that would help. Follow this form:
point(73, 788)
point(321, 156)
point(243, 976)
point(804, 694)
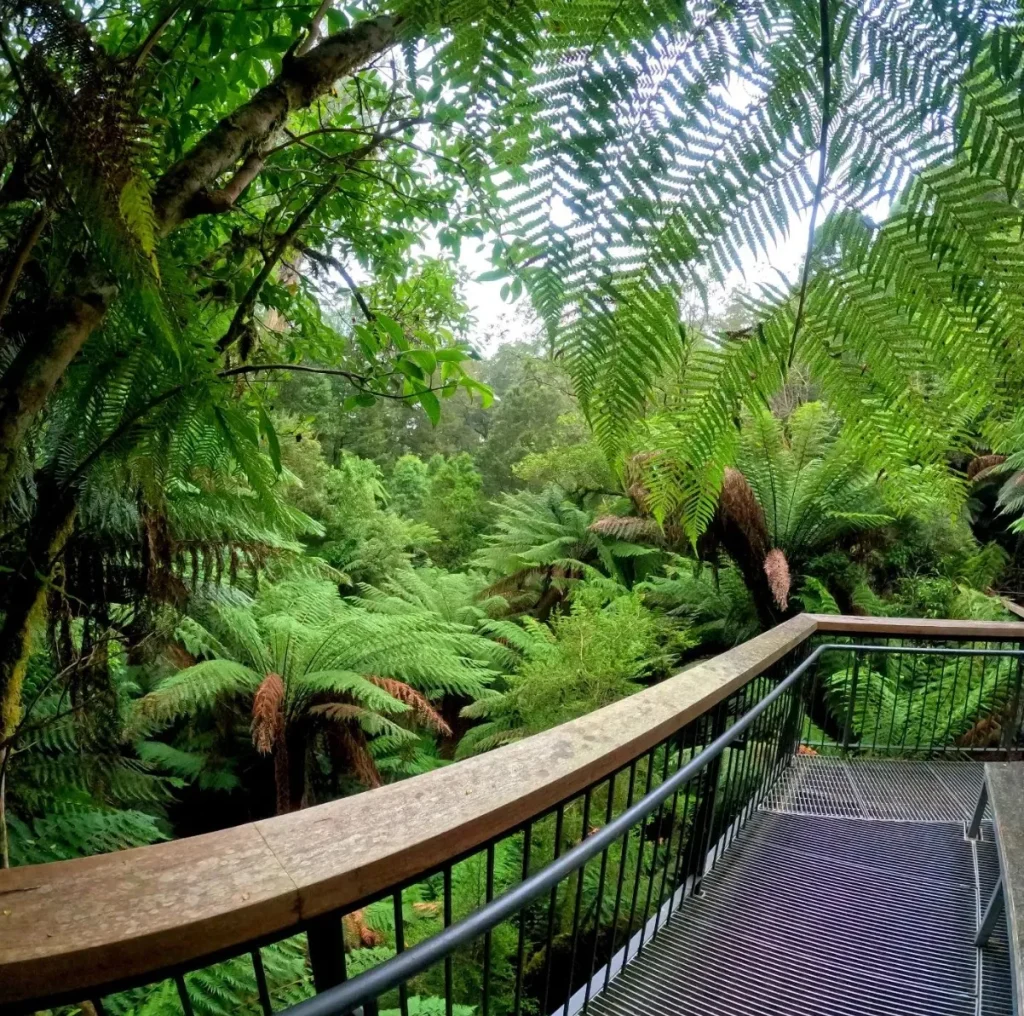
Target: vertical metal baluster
point(446, 889)
point(714, 769)
point(744, 776)
point(622, 872)
point(642, 845)
point(727, 794)
point(767, 738)
point(668, 843)
point(852, 660)
point(261, 983)
point(693, 861)
point(609, 810)
point(815, 691)
point(930, 748)
point(326, 951)
point(749, 776)
point(763, 749)
point(186, 1002)
point(576, 906)
point(520, 951)
point(762, 738)
point(658, 822)
point(1011, 731)
point(552, 903)
point(489, 893)
point(680, 875)
point(952, 702)
point(969, 685)
point(731, 779)
point(983, 662)
point(779, 745)
point(898, 658)
point(403, 988)
point(848, 725)
point(791, 727)
point(911, 698)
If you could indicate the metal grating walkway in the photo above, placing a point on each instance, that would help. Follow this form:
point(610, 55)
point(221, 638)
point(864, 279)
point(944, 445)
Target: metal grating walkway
point(893, 791)
point(818, 915)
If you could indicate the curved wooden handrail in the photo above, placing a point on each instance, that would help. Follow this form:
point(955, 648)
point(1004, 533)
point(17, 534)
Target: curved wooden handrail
point(72, 926)
point(922, 627)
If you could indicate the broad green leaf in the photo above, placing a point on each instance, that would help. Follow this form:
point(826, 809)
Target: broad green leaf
point(431, 405)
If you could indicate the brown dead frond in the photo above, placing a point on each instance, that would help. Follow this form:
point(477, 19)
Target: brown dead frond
point(986, 733)
point(628, 527)
point(268, 713)
point(339, 712)
point(776, 567)
point(360, 932)
point(416, 701)
point(739, 506)
point(361, 761)
point(980, 465)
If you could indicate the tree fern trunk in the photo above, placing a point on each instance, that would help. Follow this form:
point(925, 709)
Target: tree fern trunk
point(5, 852)
point(42, 360)
point(25, 596)
point(282, 777)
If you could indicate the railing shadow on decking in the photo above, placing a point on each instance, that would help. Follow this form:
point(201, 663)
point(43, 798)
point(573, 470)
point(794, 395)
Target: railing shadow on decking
point(524, 880)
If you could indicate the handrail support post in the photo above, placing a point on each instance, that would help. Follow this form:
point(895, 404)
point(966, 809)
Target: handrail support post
point(326, 951)
point(974, 827)
point(992, 914)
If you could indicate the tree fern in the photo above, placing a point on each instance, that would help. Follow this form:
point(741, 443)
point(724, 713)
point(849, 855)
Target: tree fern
point(74, 786)
point(543, 543)
point(313, 669)
point(670, 172)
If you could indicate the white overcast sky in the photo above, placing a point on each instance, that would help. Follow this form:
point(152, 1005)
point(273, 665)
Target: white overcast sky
point(496, 318)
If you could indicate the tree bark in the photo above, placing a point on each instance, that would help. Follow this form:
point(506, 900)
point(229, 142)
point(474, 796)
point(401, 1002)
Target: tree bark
point(40, 364)
point(282, 775)
point(25, 597)
point(188, 187)
point(5, 852)
point(29, 238)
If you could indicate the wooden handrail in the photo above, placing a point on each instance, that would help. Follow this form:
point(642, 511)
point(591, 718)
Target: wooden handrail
point(72, 926)
point(922, 627)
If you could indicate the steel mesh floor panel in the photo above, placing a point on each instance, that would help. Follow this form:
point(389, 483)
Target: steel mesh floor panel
point(878, 790)
point(815, 915)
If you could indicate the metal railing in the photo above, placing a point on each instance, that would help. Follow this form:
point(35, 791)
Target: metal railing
point(767, 731)
point(885, 698)
point(541, 917)
point(649, 853)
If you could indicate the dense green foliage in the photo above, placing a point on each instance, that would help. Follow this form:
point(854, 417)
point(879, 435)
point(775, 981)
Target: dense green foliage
point(282, 521)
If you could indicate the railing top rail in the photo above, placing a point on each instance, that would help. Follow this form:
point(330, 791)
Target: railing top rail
point(117, 917)
point(919, 627)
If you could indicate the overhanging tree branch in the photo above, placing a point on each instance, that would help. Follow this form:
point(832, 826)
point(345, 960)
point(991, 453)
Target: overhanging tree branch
point(244, 309)
point(142, 54)
point(247, 130)
point(313, 28)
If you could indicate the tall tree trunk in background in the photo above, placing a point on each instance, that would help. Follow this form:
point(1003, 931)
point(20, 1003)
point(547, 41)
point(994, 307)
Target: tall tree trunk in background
point(24, 597)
